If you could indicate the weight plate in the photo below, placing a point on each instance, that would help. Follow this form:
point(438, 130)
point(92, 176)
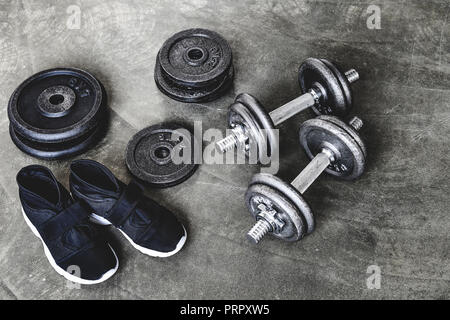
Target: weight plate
point(240, 115)
point(316, 134)
point(57, 105)
point(194, 65)
point(290, 193)
point(56, 151)
point(345, 85)
point(294, 228)
point(156, 155)
point(349, 129)
point(264, 120)
point(315, 73)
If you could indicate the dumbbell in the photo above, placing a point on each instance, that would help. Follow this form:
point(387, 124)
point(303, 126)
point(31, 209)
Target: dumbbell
point(279, 207)
point(326, 90)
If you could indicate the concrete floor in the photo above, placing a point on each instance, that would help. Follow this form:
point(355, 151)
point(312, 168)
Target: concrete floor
point(396, 216)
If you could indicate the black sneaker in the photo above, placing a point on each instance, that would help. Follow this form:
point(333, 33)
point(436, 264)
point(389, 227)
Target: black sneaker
point(70, 241)
point(150, 228)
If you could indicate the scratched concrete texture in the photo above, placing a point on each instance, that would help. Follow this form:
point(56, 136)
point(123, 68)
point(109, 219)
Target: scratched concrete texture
point(395, 217)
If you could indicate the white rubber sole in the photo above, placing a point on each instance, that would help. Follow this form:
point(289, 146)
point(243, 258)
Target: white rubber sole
point(63, 272)
point(104, 222)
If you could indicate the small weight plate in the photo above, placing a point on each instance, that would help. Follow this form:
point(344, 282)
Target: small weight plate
point(294, 228)
point(345, 85)
point(240, 115)
point(350, 130)
point(316, 134)
point(156, 153)
point(194, 65)
point(290, 193)
point(263, 118)
point(56, 105)
point(315, 72)
point(57, 151)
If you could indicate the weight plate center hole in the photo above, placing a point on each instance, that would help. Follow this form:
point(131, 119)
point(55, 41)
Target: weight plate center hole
point(162, 153)
point(55, 102)
point(56, 99)
point(195, 56)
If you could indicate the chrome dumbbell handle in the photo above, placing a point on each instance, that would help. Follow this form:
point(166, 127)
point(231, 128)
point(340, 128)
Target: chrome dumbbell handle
point(313, 170)
point(319, 163)
point(259, 230)
point(236, 137)
point(304, 102)
point(352, 75)
point(281, 114)
point(295, 106)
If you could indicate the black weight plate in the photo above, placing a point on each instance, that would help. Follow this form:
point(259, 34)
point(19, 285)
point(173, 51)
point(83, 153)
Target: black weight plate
point(350, 130)
point(313, 71)
point(56, 151)
point(192, 95)
point(345, 85)
point(194, 65)
point(262, 117)
point(150, 155)
point(290, 193)
point(56, 105)
point(316, 134)
point(240, 115)
point(294, 228)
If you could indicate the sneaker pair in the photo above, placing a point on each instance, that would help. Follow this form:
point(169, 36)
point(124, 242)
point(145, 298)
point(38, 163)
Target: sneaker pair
point(63, 220)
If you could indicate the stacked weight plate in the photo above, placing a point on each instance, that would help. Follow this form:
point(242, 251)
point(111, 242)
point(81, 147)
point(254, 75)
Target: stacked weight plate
point(194, 65)
point(325, 76)
point(57, 113)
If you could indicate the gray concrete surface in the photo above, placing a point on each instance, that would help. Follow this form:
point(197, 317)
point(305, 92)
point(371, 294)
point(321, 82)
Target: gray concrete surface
point(395, 217)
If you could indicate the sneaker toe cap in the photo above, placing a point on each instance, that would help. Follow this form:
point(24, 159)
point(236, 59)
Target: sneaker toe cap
point(166, 237)
point(93, 263)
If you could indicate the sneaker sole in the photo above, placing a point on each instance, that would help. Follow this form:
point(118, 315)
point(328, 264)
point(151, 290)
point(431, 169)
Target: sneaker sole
point(60, 270)
point(104, 222)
